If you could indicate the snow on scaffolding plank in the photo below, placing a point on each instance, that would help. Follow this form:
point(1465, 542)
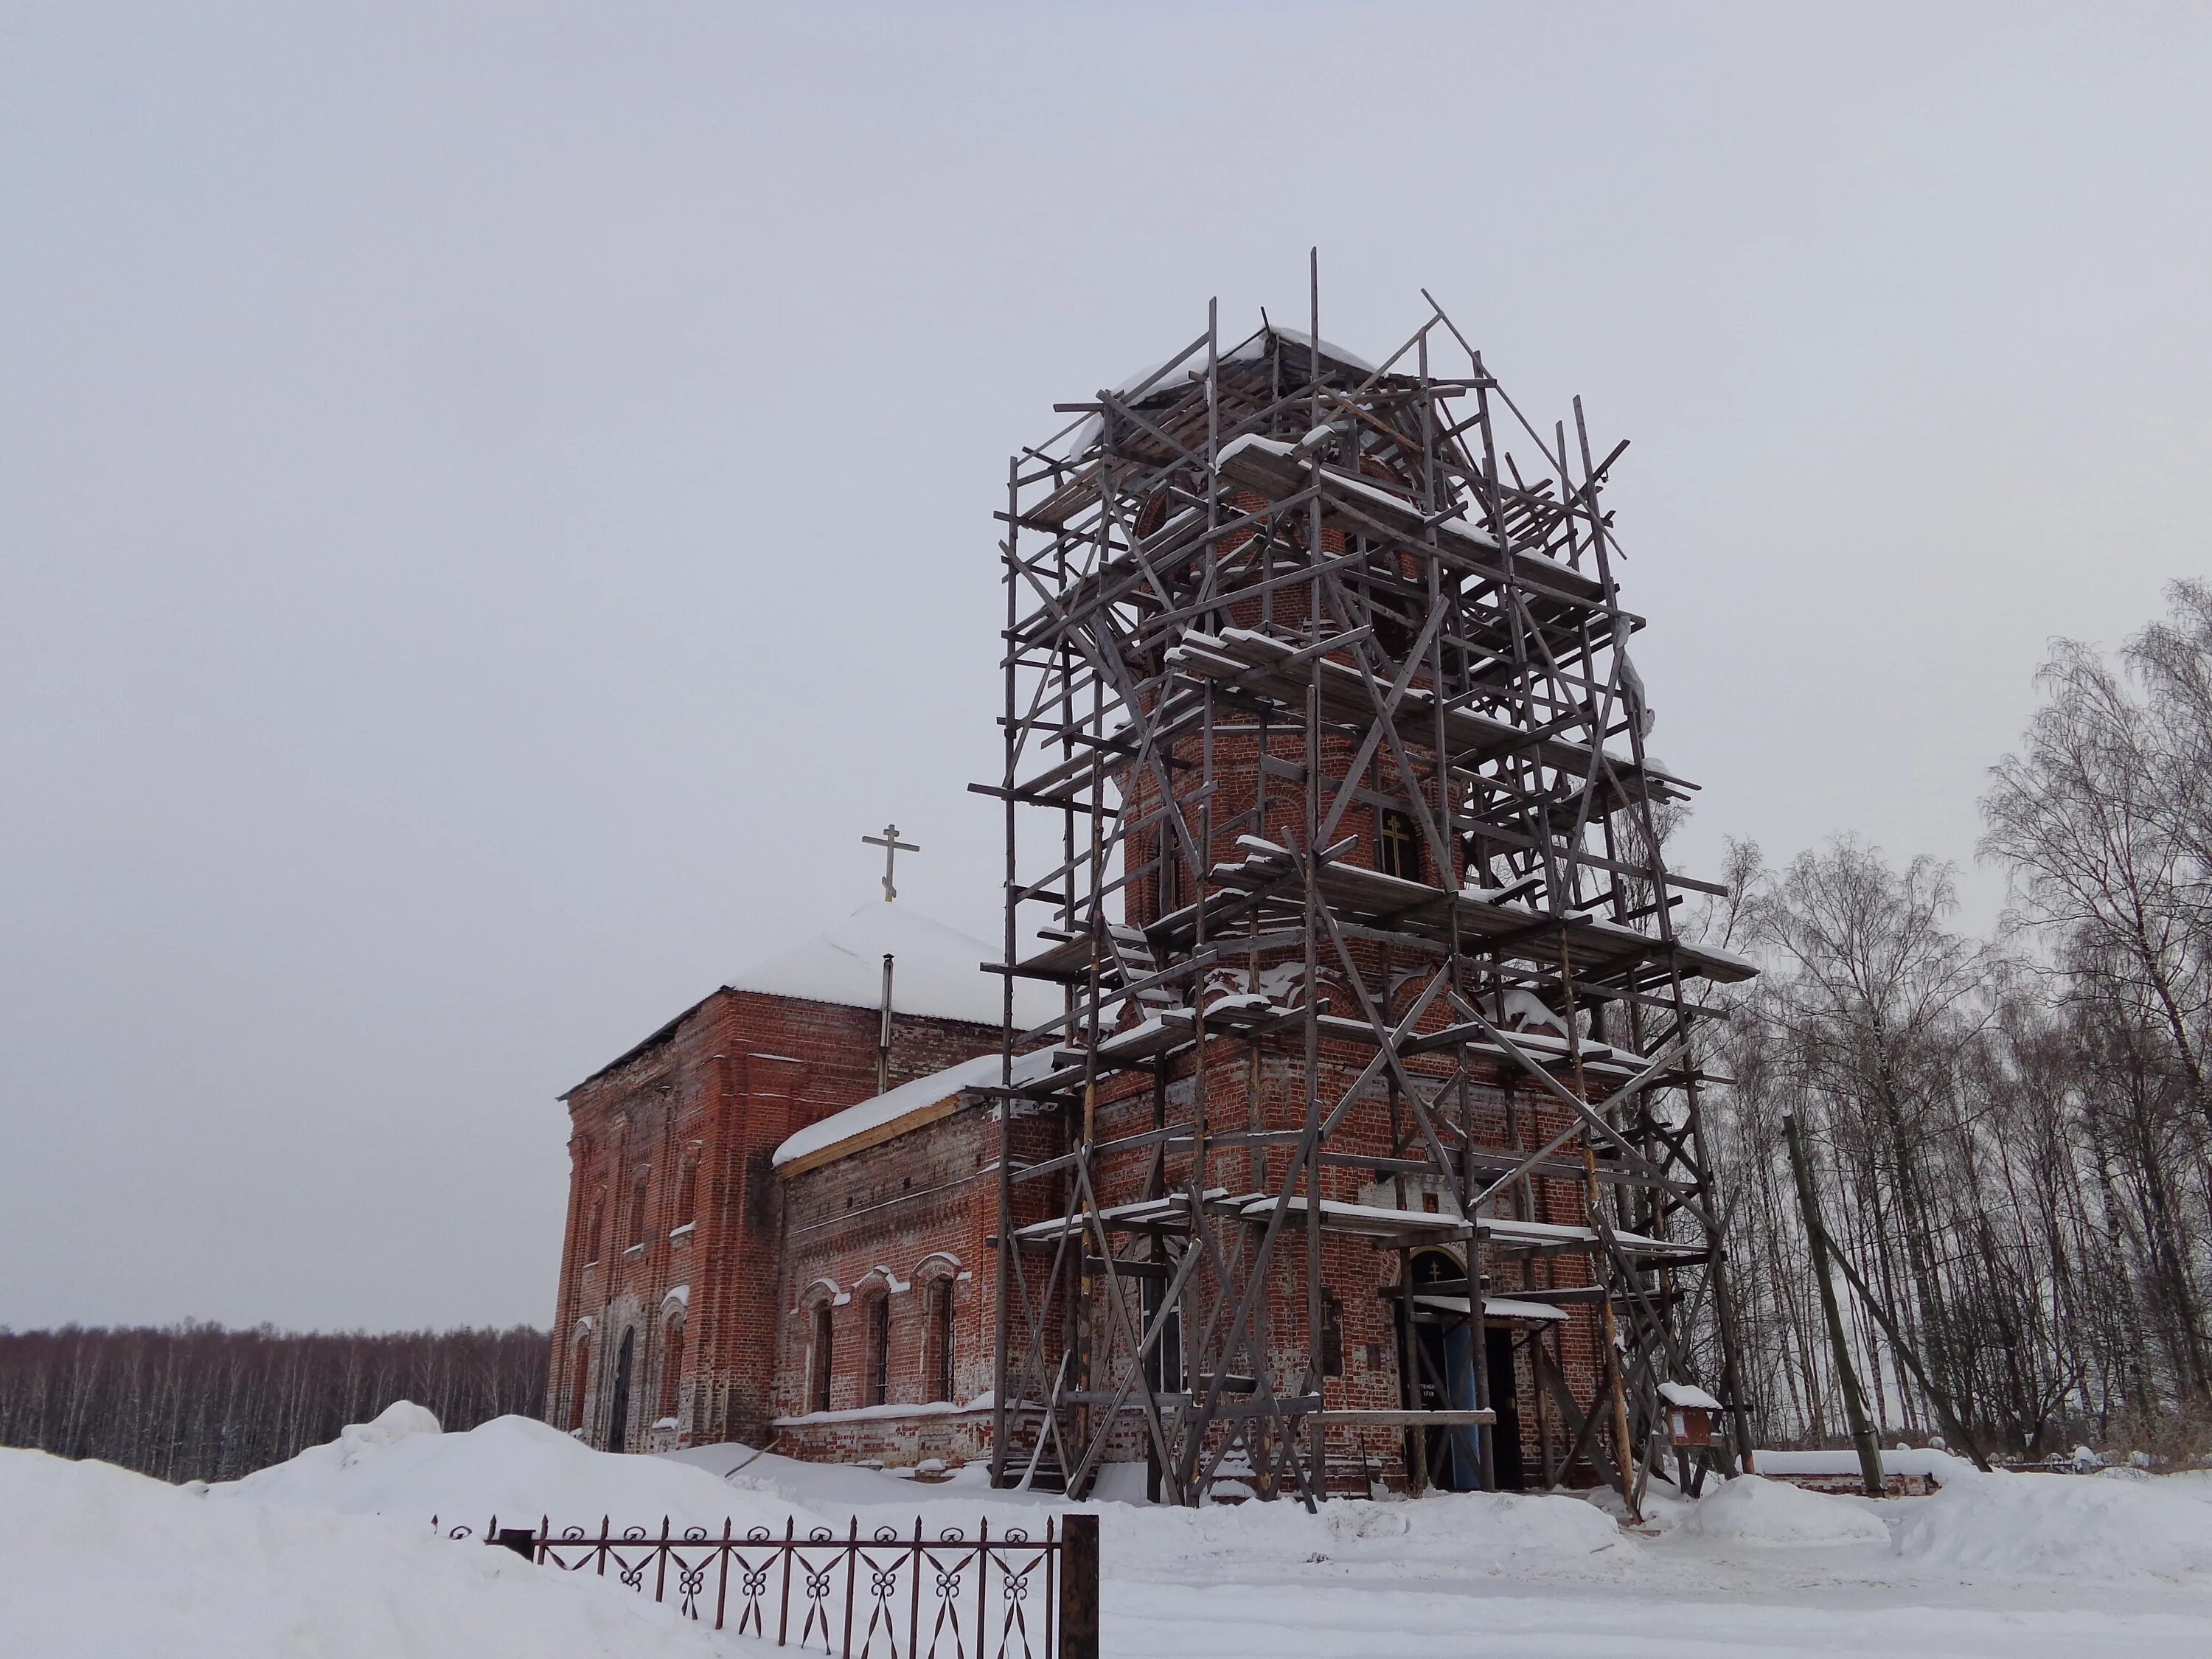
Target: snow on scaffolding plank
point(1337, 1215)
point(1277, 469)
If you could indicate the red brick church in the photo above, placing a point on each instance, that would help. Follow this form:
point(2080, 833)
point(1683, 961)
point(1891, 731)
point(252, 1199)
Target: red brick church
point(785, 1216)
point(760, 1247)
point(759, 1244)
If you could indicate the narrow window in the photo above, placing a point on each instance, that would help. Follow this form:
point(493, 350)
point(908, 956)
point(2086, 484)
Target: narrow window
point(940, 1320)
point(1332, 1335)
point(1397, 852)
point(579, 1376)
point(636, 1235)
point(671, 1367)
point(596, 1227)
point(618, 1423)
point(879, 1351)
point(687, 1193)
point(1164, 1364)
point(817, 1377)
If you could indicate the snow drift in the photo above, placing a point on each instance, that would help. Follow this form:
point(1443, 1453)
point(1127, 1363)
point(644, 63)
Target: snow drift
point(95, 1559)
point(2059, 1526)
point(515, 1467)
point(1774, 1515)
point(1473, 1532)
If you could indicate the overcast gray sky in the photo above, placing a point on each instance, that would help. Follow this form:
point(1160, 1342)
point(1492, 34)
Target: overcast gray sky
point(496, 500)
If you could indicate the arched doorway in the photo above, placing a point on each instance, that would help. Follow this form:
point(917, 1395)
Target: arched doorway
point(618, 1424)
point(1435, 1362)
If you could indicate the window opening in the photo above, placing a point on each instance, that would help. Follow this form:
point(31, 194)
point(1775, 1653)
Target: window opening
point(671, 1367)
point(1397, 852)
point(941, 1353)
point(879, 1351)
point(818, 1378)
point(618, 1424)
point(687, 1193)
point(1164, 1364)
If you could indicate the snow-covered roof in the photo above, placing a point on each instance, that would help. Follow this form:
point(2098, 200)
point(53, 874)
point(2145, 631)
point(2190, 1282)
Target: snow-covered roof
point(904, 1101)
point(937, 970)
point(1690, 1394)
point(1157, 377)
point(1174, 374)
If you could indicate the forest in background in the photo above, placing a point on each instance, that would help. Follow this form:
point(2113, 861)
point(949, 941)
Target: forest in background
point(195, 1401)
point(2012, 1137)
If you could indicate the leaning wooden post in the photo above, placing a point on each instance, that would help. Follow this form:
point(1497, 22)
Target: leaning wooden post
point(1816, 1234)
point(1078, 1587)
point(1953, 1424)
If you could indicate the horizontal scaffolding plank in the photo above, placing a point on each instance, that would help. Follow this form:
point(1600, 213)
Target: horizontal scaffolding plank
point(1355, 1418)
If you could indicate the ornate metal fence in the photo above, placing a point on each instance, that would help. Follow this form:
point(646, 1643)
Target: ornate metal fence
point(888, 1596)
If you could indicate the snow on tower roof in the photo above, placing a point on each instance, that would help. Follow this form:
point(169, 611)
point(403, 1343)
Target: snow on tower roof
point(936, 971)
point(1159, 378)
point(938, 1089)
point(1152, 381)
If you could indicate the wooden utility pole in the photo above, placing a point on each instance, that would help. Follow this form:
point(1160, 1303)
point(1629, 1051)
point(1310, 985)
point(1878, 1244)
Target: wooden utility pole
point(1816, 1234)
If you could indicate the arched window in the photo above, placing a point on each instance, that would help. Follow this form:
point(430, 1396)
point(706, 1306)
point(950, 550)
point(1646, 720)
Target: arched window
point(879, 1374)
point(672, 1366)
point(580, 1376)
point(594, 1229)
point(819, 1362)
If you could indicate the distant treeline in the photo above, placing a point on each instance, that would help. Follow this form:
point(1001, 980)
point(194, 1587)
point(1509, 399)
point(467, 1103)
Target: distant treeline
point(196, 1401)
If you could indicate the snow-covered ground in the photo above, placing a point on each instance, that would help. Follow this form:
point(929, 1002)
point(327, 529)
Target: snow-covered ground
point(333, 1554)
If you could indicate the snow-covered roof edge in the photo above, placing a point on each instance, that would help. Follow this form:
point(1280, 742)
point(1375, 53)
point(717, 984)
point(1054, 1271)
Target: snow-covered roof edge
point(937, 970)
point(905, 1101)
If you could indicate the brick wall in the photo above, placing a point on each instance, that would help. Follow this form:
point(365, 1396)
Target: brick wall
point(673, 1233)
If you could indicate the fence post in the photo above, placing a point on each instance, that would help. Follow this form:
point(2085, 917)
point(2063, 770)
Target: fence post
point(1078, 1587)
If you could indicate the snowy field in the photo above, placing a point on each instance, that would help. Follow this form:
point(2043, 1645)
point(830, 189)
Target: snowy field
point(332, 1556)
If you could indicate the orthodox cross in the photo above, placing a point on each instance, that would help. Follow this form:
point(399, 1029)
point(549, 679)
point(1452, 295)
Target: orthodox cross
point(1399, 854)
point(892, 847)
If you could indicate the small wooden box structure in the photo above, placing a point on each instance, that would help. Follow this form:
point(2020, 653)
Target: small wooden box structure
point(1689, 1426)
point(1689, 1414)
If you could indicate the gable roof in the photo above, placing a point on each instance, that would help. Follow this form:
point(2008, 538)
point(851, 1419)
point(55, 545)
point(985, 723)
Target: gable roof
point(936, 972)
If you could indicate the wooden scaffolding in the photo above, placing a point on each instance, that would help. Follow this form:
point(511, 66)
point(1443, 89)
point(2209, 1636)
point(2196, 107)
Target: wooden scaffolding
point(1328, 806)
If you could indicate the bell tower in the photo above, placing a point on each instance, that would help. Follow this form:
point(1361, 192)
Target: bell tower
point(1370, 1148)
